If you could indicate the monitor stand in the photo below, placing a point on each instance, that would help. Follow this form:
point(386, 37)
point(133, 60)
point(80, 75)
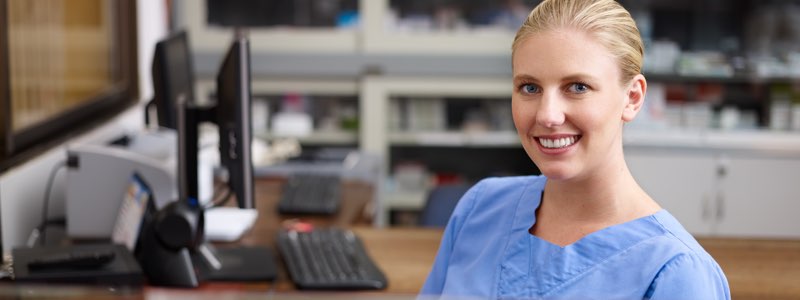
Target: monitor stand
point(173, 251)
point(237, 263)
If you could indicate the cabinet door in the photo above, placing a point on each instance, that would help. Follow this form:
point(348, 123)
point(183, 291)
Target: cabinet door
point(681, 181)
point(760, 197)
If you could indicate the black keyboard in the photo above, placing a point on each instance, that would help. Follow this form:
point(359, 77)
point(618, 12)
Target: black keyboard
point(310, 193)
point(329, 259)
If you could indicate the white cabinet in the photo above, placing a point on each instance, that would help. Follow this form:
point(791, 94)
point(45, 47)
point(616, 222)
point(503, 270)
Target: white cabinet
point(760, 196)
point(742, 191)
point(682, 182)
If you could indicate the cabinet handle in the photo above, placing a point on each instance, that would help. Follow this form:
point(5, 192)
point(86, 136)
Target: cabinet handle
point(706, 207)
point(720, 207)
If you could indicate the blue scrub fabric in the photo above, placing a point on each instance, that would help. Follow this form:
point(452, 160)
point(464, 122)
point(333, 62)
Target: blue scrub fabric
point(487, 252)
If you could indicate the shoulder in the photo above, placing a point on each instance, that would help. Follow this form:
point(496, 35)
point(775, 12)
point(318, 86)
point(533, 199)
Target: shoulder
point(689, 276)
point(494, 195)
point(510, 184)
point(689, 272)
point(489, 190)
point(674, 231)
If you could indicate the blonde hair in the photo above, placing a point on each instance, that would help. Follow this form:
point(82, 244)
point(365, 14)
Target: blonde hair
point(606, 20)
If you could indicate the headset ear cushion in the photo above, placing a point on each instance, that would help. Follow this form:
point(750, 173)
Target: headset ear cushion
point(177, 226)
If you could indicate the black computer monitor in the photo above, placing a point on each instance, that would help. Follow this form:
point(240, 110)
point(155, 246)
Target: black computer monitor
point(173, 85)
point(233, 119)
point(173, 77)
point(231, 112)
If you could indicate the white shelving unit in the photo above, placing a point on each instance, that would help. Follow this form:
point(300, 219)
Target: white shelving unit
point(379, 39)
point(310, 87)
point(455, 139)
point(679, 167)
point(205, 38)
point(376, 92)
point(375, 137)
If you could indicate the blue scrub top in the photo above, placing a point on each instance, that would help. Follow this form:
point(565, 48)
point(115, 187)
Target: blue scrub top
point(487, 252)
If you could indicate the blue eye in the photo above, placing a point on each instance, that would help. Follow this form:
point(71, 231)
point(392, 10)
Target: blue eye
point(529, 89)
point(578, 88)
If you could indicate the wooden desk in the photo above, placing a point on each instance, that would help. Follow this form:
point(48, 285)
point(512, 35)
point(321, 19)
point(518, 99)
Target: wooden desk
point(756, 269)
point(405, 255)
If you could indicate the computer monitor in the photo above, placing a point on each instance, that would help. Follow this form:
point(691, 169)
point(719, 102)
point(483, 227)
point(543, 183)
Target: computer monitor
point(173, 85)
point(231, 112)
point(173, 77)
point(233, 120)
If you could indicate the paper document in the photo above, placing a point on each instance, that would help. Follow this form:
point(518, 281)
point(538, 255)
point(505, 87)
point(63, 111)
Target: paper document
point(227, 224)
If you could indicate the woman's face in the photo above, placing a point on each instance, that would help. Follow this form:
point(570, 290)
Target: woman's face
point(569, 105)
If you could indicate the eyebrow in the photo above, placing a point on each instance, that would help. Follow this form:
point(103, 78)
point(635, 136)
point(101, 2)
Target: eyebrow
point(524, 77)
point(571, 77)
point(580, 77)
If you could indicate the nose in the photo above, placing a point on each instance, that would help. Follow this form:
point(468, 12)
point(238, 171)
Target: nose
point(550, 112)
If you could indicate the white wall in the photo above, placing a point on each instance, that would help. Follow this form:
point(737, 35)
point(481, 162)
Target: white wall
point(22, 188)
point(153, 26)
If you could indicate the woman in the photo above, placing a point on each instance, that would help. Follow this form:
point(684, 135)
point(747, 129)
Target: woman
point(585, 229)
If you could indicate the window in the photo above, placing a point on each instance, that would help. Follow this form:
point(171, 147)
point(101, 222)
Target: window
point(64, 65)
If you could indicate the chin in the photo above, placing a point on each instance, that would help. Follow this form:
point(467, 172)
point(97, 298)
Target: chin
point(558, 172)
point(556, 176)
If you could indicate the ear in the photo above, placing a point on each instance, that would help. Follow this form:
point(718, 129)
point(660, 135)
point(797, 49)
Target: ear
point(634, 98)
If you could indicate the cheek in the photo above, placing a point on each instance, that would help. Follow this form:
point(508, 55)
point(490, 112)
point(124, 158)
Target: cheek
point(605, 120)
point(522, 114)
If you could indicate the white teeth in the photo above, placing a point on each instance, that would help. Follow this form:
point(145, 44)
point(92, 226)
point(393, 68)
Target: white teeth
point(557, 143)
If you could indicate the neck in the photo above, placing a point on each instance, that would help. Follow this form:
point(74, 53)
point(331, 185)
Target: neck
point(613, 197)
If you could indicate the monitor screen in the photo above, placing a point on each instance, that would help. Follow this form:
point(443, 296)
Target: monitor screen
point(173, 77)
point(233, 118)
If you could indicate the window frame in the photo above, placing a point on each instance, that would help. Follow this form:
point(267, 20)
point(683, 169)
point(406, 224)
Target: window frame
point(16, 147)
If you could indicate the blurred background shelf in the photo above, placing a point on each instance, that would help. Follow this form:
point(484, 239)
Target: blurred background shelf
point(430, 85)
point(340, 138)
point(494, 139)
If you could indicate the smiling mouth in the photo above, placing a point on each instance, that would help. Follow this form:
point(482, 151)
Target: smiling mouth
point(559, 142)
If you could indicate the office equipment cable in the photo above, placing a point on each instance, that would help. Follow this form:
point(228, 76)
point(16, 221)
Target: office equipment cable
point(42, 229)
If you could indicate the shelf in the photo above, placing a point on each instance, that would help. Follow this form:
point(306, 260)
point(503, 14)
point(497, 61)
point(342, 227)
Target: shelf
point(204, 38)
point(773, 143)
point(377, 40)
point(269, 85)
point(405, 200)
point(782, 143)
point(736, 79)
point(455, 139)
point(318, 137)
point(377, 91)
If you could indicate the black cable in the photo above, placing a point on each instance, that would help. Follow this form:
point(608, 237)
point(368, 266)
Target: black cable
point(150, 104)
point(46, 201)
point(221, 201)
